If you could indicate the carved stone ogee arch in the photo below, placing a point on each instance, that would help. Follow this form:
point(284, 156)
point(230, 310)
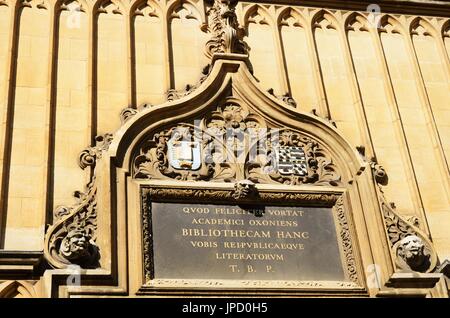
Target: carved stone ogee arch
point(114, 187)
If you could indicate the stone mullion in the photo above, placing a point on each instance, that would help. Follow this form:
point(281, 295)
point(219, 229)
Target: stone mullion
point(323, 107)
point(429, 115)
point(8, 116)
point(281, 58)
point(443, 53)
point(50, 124)
point(363, 123)
point(169, 79)
point(399, 129)
point(92, 73)
point(131, 96)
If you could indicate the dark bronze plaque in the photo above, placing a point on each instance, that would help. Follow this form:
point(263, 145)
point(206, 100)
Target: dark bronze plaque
point(206, 241)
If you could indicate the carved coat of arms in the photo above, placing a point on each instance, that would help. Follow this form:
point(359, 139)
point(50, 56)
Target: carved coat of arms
point(291, 161)
point(184, 155)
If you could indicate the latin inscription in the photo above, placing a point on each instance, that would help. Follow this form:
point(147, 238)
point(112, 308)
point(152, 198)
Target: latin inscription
point(203, 241)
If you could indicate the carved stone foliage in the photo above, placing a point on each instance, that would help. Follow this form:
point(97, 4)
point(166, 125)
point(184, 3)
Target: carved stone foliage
point(232, 144)
point(345, 236)
point(379, 173)
point(286, 98)
point(227, 196)
point(129, 112)
point(413, 251)
point(89, 156)
point(223, 25)
point(152, 162)
point(397, 228)
point(173, 94)
point(126, 114)
point(72, 237)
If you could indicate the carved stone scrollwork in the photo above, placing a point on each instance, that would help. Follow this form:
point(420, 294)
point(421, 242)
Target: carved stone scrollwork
point(153, 159)
point(218, 144)
point(286, 98)
point(344, 232)
point(126, 114)
point(182, 194)
point(223, 25)
point(319, 169)
point(233, 144)
point(71, 238)
point(173, 94)
point(328, 119)
point(129, 112)
point(379, 173)
point(89, 156)
point(412, 249)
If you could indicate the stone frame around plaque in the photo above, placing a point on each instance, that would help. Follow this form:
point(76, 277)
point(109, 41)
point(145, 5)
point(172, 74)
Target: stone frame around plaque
point(337, 199)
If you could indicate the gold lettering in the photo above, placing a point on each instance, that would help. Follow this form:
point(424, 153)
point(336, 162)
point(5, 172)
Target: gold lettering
point(292, 235)
point(225, 233)
point(254, 257)
point(234, 268)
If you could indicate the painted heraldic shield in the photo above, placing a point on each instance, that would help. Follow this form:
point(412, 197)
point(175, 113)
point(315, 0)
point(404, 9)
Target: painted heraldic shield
point(291, 161)
point(184, 155)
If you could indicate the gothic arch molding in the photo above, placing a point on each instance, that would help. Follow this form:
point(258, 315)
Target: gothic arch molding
point(138, 126)
point(354, 18)
point(295, 13)
point(420, 22)
point(256, 10)
point(17, 289)
point(324, 15)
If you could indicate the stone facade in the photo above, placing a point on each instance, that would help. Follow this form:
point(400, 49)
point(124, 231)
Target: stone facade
point(369, 79)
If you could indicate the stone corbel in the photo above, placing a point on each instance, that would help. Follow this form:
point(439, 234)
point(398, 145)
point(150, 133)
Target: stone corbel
point(411, 248)
point(71, 238)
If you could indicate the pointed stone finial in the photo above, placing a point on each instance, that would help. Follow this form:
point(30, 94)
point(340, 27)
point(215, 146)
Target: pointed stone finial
point(223, 25)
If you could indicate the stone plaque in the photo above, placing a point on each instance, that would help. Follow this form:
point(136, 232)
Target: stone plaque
point(215, 241)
